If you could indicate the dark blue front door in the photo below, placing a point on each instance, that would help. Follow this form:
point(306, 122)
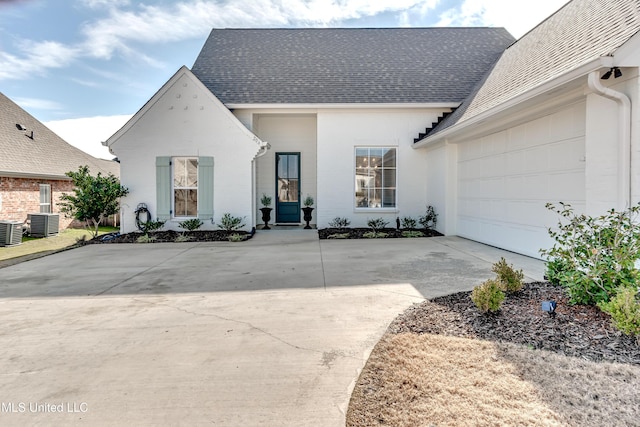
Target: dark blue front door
point(287, 187)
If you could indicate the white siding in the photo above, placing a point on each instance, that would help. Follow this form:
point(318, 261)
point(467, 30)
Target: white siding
point(184, 119)
point(339, 132)
point(286, 133)
point(506, 178)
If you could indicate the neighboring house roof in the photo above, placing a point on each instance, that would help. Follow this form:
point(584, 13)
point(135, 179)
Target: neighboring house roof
point(338, 66)
point(46, 155)
point(580, 32)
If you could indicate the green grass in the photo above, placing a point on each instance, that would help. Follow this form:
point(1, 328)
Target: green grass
point(39, 245)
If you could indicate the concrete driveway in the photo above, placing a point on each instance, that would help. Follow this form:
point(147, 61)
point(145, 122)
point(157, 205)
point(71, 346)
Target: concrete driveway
point(273, 331)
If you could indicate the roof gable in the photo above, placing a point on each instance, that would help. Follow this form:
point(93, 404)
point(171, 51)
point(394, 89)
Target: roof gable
point(44, 155)
point(580, 32)
point(325, 66)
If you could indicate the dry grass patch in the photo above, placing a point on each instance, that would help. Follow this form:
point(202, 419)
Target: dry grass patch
point(426, 380)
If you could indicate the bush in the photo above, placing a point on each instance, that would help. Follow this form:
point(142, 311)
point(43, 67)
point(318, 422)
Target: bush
point(265, 200)
point(377, 224)
point(624, 310)
point(145, 238)
point(408, 222)
point(339, 222)
point(374, 234)
point(412, 233)
point(429, 220)
point(191, 224)
point(509, 279)
point(488, 297)
point(182, 238)
point(594, 256)
point(229, 222)
point(338, 236)
point(235, 237)
point(151, 226)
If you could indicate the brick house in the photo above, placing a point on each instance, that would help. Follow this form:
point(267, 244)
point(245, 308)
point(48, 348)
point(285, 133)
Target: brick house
point(33, 162)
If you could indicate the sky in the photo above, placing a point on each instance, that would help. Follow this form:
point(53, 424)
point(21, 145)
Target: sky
point(84, 67)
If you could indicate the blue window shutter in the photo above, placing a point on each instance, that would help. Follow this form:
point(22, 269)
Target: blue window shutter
point(163, 188)
point(205, 188)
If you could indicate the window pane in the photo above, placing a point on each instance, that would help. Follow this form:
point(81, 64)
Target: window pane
point(186, 202)
point(45, 198)
point(389, 158)
point(192, 172)
point(375, 177)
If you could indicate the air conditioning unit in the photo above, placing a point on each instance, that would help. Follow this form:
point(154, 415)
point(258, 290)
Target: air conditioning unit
point(10, 233)
point(44, 224)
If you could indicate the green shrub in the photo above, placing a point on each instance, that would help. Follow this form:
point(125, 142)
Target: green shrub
point(229, 222)
point(624, 310)
point(377, 224)
point(191, 224)
point(308, 201)
point(150, 226)
point(429, 220)
point(593, 256)
point(339, 222)
point(408, 222)
point(510, 280)
point(488, 296)
point(412, 233)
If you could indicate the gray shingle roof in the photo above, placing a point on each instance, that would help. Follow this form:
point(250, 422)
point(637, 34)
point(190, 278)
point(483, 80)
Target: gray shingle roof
point(46, 155)
point(383, 65)
point(581, 31)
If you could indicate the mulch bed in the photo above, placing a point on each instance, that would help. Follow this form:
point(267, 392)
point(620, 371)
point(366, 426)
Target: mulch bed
point(171, 236)
point(358, 233)
point(575, 330)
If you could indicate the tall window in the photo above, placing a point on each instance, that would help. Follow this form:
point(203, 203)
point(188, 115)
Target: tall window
point(185, 186)
point(375, 174)
point(45, 198)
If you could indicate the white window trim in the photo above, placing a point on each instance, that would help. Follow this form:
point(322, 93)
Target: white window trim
point(357, 209)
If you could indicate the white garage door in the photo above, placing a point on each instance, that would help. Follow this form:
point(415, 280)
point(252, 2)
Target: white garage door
point(505, 180)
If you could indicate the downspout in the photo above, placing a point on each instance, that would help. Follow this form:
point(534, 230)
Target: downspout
point(624, 147)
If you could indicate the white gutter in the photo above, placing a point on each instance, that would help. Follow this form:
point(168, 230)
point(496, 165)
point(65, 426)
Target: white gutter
point(549, 85)
point(624, 147)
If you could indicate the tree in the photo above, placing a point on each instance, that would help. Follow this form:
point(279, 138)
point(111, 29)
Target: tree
point(94, 197)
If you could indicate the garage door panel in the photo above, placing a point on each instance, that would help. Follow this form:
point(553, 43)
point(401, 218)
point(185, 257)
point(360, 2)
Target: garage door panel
point(502, 197)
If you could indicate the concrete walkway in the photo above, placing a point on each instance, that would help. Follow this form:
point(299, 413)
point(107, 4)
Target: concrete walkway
point(273, 331)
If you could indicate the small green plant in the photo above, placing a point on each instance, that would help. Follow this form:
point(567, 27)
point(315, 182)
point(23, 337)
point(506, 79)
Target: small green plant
point(429, 220)
point(377, 224)
point(339, 223)
point(412, 233)
point(408, 222)
point(151, 226)
point(624, 310)
point(145, 238)
point(191, 224)
point(265, 200)
point(510, 280)
point(488, 296)
point(374, 235)
point(229, 222)
point(236, 237)
point(593, 256)
point(308, 201)
point(338, 236)
point(182, 238)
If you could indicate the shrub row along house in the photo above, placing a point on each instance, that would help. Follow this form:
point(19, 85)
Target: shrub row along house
point(383, 122)
point(33, 163)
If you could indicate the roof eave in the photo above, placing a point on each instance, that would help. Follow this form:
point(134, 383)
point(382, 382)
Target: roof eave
point(549, 85)
point(28, 175)
point(340, 106)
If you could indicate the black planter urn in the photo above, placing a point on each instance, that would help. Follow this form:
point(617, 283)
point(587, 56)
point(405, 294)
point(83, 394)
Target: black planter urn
point(307, 216)
point(266, 217)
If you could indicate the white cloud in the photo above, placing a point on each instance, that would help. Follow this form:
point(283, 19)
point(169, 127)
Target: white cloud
point(37, 104)
point(35, 58)
point(517, 17)
point(88, 133)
